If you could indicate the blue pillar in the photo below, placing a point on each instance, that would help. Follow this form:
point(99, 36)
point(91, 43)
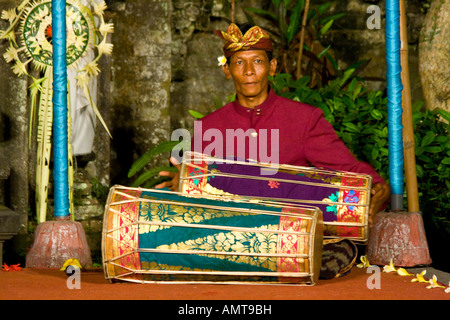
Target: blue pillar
point(394, 92)
point(60, 127)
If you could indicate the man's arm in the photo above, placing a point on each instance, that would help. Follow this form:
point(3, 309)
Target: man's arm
point(325, 149)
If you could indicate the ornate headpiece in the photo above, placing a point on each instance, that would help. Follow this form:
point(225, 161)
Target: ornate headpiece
point(254, 38)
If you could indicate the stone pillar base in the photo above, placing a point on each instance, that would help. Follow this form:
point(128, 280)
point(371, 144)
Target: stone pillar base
point(57, 241)
point(399, 236)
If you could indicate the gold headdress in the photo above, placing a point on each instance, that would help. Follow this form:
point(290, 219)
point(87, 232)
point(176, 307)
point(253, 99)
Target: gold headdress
point(254, 38)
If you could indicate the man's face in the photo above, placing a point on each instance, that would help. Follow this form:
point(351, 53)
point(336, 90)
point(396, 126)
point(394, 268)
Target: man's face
point(250, 71)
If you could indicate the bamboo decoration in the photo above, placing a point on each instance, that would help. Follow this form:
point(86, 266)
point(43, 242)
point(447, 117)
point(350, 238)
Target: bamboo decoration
point(408, 132)
point(31, 21)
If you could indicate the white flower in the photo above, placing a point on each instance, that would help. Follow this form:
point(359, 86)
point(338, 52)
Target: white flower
point(403, 272)
point(419, 277)
point(434, 283)
point(222, 61)
point(390, 267)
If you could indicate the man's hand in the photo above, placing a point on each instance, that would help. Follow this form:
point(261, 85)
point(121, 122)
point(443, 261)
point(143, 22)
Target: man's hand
point(175, 177)
point(380, 194)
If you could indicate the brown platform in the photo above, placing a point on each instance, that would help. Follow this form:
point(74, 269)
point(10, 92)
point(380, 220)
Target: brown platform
point(51, 284)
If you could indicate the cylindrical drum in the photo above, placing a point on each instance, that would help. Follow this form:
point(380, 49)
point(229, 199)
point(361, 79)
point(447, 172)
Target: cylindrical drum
point(152, 235)
point(343, 197)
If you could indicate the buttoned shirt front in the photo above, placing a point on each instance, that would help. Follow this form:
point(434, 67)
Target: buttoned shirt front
point(291, 132)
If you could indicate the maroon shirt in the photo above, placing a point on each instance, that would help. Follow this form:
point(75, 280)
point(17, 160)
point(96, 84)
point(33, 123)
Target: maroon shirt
point(306, 138)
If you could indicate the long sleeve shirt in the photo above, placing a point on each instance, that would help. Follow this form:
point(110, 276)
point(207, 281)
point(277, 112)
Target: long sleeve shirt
point(280, 131)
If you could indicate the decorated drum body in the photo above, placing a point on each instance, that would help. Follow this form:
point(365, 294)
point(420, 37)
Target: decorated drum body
point(157, 235)
point(343, 197)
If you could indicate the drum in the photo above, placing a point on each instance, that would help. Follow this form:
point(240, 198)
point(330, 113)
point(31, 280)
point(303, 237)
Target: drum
point(162, 236)
point(343, 197)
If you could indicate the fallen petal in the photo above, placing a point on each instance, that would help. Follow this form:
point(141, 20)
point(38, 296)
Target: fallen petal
point(403, 272)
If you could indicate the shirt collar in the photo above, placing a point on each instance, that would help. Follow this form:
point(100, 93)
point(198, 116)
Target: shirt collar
point(263, 109)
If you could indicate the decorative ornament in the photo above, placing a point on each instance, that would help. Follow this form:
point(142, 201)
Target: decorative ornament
point(238, 41)
point(32, 22)
point(222, 60)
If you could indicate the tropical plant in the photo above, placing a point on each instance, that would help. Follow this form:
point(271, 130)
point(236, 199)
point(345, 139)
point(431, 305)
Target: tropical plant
point(359, 117)
point(296, 40)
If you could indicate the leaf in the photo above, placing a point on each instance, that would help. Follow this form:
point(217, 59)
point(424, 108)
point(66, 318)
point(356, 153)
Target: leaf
point(419, 171)
point(264, 14)
point(87, 93)
point(294, 21)
point(332, 17)
point(338, 83)
point(433, 149)
point(217, 102)
point(351, 127)
point(376, 114)
point(150, 174)
point(164, 146)
point(325, 28)
point(301, 83)
point(324, 7)
point(196, 114)
point(375, 152)
point(428, 139)
point(281, 18)
point(322, 53)
point(444, 114)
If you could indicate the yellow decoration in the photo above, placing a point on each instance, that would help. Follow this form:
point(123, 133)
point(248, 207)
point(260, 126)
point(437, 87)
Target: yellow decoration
point(419, 277)
point(239, 41)
point(390, 267)
point(364, 262)
point(403, 272)
point(71, 262)
point(434, 284)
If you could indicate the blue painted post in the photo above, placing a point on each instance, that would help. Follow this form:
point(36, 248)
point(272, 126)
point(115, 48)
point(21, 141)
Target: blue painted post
point(394, 95)
point(60, 127)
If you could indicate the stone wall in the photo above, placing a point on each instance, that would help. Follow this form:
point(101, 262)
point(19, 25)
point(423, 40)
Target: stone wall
point(14, 119)
point(140, 81)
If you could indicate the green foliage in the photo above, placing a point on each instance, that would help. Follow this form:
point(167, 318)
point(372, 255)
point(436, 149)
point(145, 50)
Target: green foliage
point(359, 117)
point(150, 177)
point(286, 21)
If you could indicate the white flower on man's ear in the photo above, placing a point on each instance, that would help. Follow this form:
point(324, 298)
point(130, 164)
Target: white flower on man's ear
point(222, 61)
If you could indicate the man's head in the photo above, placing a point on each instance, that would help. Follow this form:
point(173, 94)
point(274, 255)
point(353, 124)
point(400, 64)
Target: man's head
point(249, 63)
